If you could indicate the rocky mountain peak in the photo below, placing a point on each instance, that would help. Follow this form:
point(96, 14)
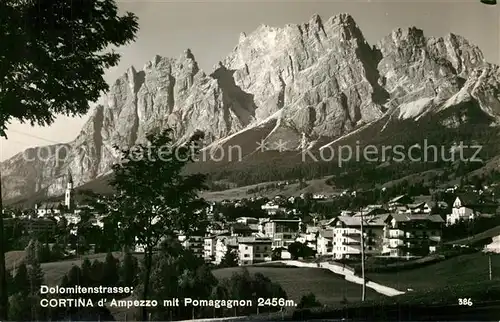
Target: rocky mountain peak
point(315, 23)
point(408, 37)
point(319, 79)
point(344, 20)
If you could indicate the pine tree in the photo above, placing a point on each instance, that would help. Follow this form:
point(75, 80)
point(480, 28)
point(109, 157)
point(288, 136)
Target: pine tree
point(154, 192)
point(19, 308)
point(97, 271)
point(31, 251)
point(64, 281)
point(87, 273)
point(21, 280)
point(230, 259)
point(10, 282)
point(45, 254)
point(110, 271)
point(57, 251)
point(36, 277)
point(42, 35)
point(129, 270)
point(308, 301)
point(74, 276)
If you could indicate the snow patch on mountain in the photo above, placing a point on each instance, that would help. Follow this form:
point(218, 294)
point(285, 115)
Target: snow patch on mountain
point(413, 109)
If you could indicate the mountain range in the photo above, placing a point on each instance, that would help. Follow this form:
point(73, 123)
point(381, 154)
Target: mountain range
point(318, 82)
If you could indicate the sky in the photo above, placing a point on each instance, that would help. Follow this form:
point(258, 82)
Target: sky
point(211, 30)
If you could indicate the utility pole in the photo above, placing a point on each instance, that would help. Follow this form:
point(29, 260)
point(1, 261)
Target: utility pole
point(362, 258)
point(489, 264)
point(4, 297)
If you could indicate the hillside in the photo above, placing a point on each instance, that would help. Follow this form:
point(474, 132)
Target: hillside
point(329, 288)
point(462, 270)
point(485, 236)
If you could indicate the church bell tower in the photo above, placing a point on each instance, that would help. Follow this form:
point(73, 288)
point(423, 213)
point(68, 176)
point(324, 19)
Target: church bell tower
point(68, 197)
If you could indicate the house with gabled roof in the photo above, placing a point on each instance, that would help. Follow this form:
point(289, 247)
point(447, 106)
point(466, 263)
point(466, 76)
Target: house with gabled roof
point(468, 206)
point(422, 207)
point(399, 201)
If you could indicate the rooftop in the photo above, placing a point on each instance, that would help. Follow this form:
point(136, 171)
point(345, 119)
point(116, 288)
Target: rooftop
point(254, 240)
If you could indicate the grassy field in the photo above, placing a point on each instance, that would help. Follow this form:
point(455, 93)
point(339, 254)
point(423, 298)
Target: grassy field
point(328, 287)
point(293, 189)
point(54, 271)
point(488, 234)
point(471, 268)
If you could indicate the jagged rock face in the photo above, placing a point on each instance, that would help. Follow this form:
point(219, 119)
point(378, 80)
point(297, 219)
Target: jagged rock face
point(320, 79)
point(424, 70)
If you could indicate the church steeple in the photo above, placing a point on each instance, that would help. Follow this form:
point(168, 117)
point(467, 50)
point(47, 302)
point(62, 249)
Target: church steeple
point(68, 197)
point(69, 184)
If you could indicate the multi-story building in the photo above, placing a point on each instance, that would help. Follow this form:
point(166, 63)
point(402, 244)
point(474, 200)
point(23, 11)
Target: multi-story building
point(411, 235)
point(324, 243)
point(242, 230)
point(209, 248)
point(253, 250)
point(283, 232)
point(193, 243)
point(347, 235)
point(32, 225)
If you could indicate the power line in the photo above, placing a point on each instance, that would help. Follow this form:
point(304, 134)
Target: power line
point(363, 294)
point(34, 136)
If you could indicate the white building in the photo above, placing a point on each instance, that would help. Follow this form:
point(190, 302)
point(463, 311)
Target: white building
point(347, 235)
point(253, 250)
point(283, 232)
point(462, 209)
point(324, 244)
point(469, 207)
point(271, 208)
point(209, 249)
point(69, 200)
